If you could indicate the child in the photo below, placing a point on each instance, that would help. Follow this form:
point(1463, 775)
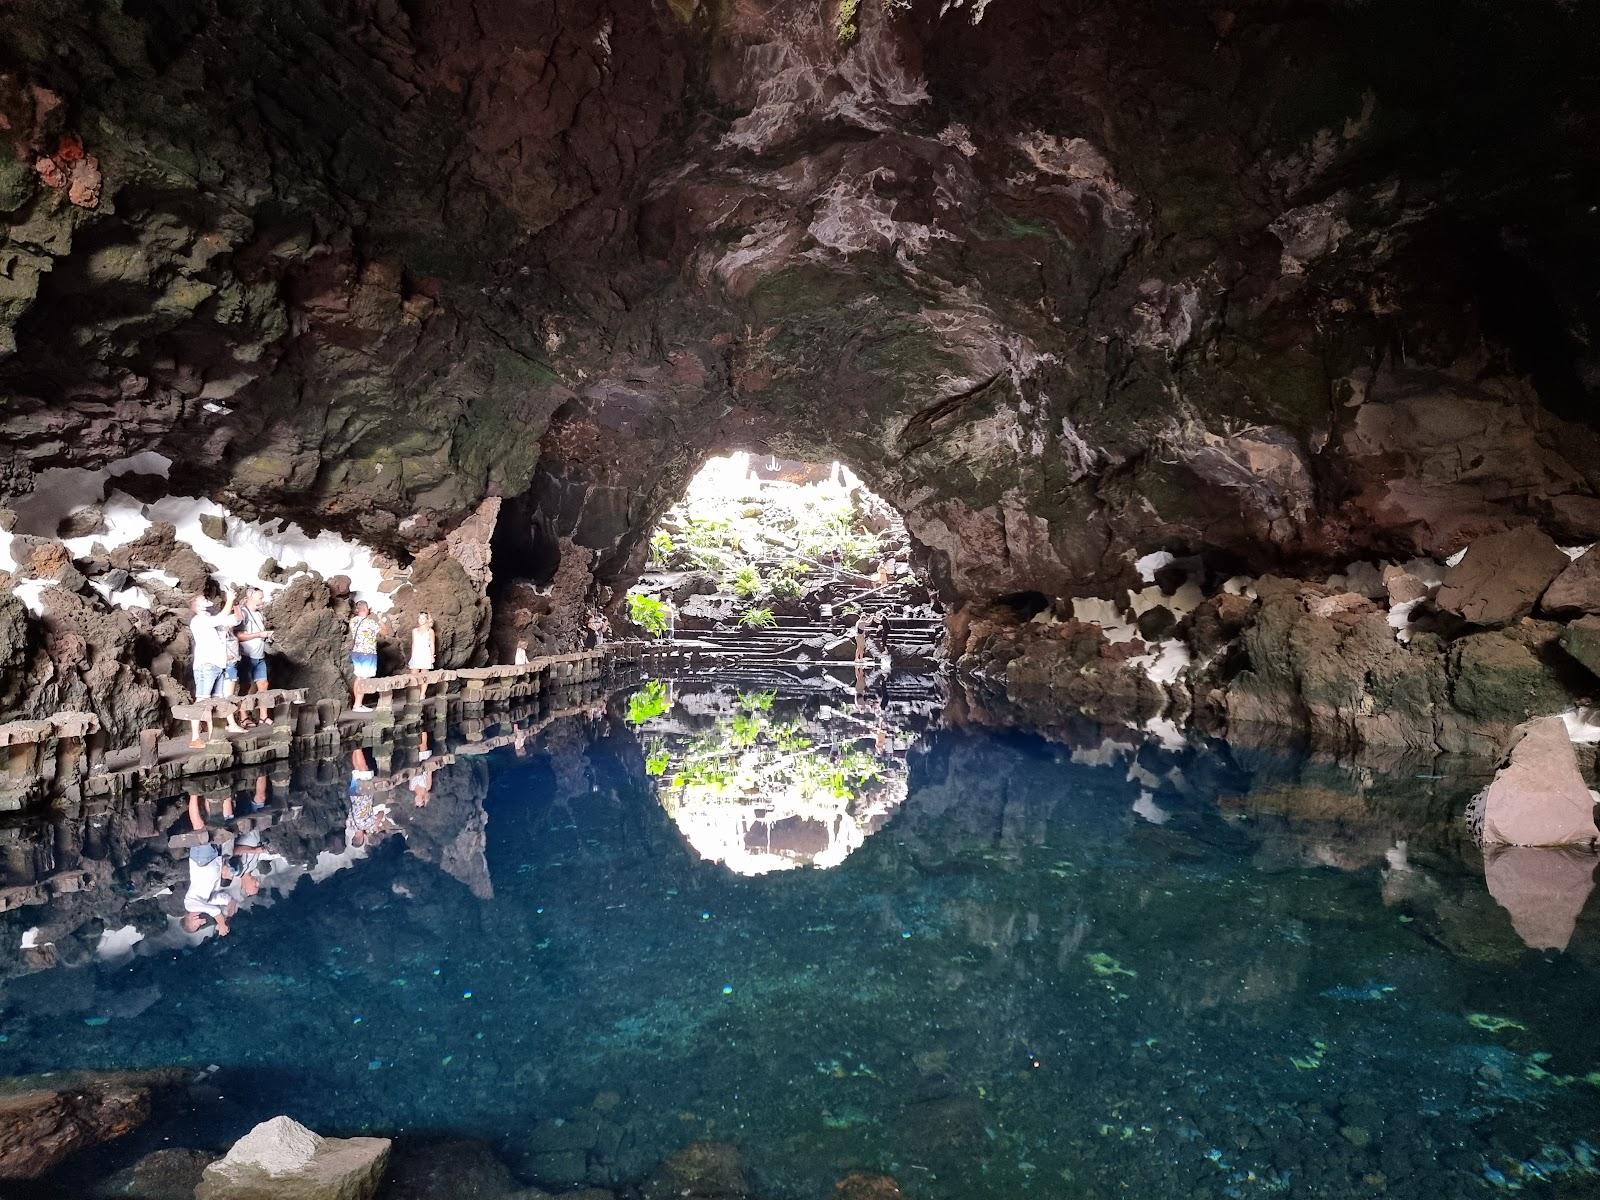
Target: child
point(423, 644)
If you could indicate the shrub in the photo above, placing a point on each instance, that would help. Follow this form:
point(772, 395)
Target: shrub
point(648, 613)
point(747, 582)
point(757, 618)
point(649, 701)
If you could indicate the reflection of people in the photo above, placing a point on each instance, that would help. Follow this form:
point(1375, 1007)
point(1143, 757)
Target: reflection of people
point(205, 898)
point(365, 630)
point(366, 815)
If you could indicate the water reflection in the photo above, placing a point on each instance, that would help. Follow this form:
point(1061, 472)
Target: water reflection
point(1063, 963)
point(759, 781)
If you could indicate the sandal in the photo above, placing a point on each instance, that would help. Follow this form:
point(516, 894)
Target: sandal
point(196, 744)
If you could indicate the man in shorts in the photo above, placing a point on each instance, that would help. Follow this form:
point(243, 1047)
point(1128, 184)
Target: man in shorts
point(252, 634)
point(365, 629)
point(207, 632)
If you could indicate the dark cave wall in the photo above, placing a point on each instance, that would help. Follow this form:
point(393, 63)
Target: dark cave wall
point(1278, 286)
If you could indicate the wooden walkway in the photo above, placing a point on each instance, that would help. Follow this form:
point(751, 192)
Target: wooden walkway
point(67, 756)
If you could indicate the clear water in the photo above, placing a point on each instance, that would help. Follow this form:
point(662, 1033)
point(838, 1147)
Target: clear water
point(1064, 966)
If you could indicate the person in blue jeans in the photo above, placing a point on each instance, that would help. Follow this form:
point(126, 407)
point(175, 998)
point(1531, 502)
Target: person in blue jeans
point(210, 655)
point(252, 633)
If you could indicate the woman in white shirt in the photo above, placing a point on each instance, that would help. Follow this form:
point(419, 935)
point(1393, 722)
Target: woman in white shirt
point(423, 644)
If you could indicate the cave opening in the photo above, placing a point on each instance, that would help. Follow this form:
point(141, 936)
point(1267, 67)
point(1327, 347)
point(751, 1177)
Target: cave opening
point(770, 558)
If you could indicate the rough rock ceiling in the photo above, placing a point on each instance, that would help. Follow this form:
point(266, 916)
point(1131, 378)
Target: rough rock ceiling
point(1281, 283)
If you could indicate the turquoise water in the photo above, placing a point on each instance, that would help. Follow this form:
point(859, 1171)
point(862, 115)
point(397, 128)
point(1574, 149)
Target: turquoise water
point(1065, 966)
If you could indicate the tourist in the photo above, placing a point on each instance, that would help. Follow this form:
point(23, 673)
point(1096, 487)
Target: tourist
point(252, 635)
point(423, 645)
point(230, 673)
point(210, 657)
point(365, 629)
point(520, 659)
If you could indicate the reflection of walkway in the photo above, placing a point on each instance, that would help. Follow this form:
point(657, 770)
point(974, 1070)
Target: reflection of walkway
point(77, 887)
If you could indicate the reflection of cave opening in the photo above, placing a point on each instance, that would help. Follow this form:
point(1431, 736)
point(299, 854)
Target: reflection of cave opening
point(761, 781)
point(771, 558)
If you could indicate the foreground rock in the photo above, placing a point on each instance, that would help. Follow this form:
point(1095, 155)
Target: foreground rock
point(281, 1159)
point(1538, 797)
point(44, 1118)
point(1502, 577)
point(1577, 589)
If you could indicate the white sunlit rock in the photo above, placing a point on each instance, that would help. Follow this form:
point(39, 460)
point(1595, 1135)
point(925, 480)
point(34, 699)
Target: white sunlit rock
point(281, 1159)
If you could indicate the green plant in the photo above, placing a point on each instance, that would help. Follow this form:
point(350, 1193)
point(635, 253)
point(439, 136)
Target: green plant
point(787, 581)
point(757, 701)
point(649, 701)
point(844, 25)
point(747, 582)
point(757, 618)
point(655, 763)
point(661, 547)
point(648, 613)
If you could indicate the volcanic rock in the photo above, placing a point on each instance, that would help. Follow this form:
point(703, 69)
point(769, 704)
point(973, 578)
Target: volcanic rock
point(45, 1118)
point(162, 1175)
point(281, 1159)
point(1577, 589)
point(1538, 797)
point(700, 1171)
point(1502, 576)
point(1581, 639)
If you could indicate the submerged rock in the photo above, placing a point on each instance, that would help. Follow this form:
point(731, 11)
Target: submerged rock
point(1502, 576)
point(164, 1175)
point(701, 1170)
point(1538, 797)
point(281, 1159)
point(1543, 888)
point(44, 1118)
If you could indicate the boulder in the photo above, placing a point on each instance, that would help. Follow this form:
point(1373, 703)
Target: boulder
point(437, 1170)
point(1538, 797)
point(1502, 576)
point(44, 1118)
point(1543, 888)
point(1581, 639)
point(163, 1175)
point(1577, 589)
point(281, 1159)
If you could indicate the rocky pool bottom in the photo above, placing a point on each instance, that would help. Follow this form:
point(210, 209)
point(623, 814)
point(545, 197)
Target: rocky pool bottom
point(829, 936)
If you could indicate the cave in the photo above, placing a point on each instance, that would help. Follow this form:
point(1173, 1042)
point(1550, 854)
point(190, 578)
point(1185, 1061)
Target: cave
point(1223, 379)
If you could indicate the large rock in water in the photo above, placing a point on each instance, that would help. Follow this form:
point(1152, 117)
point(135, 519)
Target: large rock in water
point(1577, 589)
point(45, 1118)
point(281, 1159)
point(1538, 797)
point(1544, 889)
point(1502, 576)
